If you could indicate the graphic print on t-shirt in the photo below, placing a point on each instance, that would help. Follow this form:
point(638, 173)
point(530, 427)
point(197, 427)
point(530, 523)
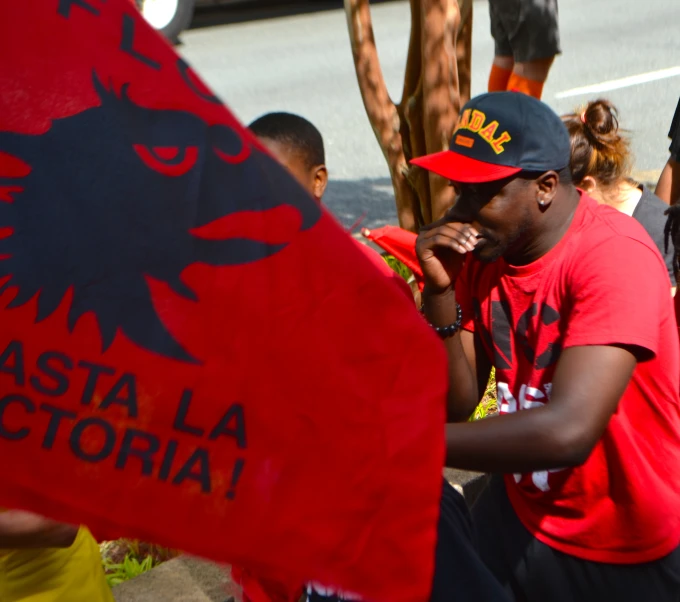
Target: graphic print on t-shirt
point(500, 339)
point(530, 360)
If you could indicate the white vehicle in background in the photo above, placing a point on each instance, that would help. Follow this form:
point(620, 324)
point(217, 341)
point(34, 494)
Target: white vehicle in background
point(172, 17)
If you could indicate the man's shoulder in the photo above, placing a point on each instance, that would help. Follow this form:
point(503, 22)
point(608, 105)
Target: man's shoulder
point(609, 242)
point(603, 226)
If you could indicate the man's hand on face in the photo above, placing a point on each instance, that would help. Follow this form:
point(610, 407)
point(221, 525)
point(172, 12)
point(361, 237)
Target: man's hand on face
point(441, 248)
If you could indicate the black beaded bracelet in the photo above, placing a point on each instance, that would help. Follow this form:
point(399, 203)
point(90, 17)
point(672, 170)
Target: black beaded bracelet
point(447, 331)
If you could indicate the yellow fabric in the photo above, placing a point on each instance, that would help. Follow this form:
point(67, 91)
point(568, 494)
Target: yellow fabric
point(72, 574)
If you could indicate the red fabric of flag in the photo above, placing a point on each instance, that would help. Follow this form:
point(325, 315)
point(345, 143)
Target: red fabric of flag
point(191, 352)
point(401, 244)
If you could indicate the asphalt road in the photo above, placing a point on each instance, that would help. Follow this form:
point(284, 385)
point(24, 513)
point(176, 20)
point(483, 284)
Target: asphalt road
point(287, 57)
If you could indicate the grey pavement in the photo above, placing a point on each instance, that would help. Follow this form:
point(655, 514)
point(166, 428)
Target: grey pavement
point(183, 579)
point(301, 62)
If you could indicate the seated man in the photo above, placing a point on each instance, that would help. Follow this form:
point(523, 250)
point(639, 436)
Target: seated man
point(45, 561)
point(568, 300)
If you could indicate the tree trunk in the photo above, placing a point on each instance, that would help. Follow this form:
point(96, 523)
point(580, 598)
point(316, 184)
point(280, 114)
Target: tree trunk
point(382, 112)
point(436, 84)
point(441, 20)
point(464, 52)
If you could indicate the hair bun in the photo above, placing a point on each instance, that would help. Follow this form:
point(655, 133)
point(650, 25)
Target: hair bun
point(600, 120)
point(598, 148)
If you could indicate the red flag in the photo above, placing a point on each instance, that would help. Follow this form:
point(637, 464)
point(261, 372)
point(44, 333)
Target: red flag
point(191, 352)
point(400, 243)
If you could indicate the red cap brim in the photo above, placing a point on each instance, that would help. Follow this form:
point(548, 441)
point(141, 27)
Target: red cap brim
point(459, 168)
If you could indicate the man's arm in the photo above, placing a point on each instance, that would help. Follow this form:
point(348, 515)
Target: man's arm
point(441, 250)
point(558, 435)
point(469, 366)
point(20, 529)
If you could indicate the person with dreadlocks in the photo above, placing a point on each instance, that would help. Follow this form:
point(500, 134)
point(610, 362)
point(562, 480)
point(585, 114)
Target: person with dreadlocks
point(601, 166)
point(668, 189)
point(672, 236)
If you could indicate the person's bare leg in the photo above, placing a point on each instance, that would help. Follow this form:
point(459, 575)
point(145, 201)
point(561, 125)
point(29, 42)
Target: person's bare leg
point(535, 70)
point(504, 62)
point(529, 77)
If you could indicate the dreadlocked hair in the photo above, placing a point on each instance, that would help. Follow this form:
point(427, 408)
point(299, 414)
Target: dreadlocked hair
point(671, 232)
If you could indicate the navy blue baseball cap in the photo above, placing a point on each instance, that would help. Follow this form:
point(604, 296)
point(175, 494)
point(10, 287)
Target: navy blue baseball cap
point(498, 135)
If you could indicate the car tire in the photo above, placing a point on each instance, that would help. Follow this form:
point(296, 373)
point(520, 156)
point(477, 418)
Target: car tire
point(174, 17)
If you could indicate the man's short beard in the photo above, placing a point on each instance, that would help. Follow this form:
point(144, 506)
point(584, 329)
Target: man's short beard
point(498, 252)
point(500, 249)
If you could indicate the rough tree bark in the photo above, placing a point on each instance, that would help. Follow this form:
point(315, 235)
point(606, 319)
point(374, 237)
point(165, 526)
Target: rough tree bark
point(436, 85)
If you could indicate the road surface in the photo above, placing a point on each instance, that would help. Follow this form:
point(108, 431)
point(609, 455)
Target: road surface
point(281, 58)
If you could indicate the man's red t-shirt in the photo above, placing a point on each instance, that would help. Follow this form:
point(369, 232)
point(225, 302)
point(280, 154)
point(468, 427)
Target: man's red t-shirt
point(604, 283)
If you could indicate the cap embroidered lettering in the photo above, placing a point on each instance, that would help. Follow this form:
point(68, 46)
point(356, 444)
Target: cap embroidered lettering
point(497, 144)
point(498, 135)
point(464, 141)
point(464, 120)
point(489, 131)
point(477, 121)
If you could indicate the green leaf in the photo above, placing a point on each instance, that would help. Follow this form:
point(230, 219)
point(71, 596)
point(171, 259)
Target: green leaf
point(129, 564)
point(397, 266)
point(488, 405)
point(147, 564)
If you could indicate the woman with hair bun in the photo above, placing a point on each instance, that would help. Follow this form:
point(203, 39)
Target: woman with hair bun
point(600, 165)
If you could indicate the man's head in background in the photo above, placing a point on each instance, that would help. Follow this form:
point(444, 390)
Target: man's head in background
point(296, 144)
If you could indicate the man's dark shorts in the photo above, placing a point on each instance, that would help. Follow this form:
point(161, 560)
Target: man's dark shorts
point(531, 571)
point(526, 30)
